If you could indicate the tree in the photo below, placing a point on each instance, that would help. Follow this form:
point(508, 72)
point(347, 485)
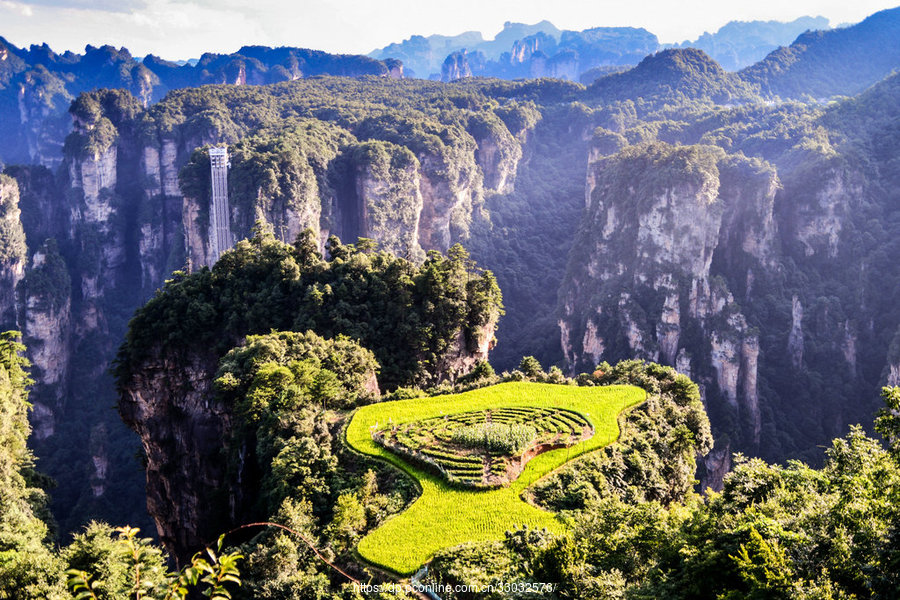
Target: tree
point(115, 564)
point(531, 367)
point(325, 387)
point(349, 519)
point(28, 569)
point(888, 421)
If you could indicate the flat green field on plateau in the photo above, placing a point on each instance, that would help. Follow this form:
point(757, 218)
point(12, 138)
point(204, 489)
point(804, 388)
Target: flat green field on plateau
point(444, 516)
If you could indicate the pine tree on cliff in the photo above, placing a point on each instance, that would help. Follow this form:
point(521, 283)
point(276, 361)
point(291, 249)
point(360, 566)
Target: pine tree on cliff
point(28, 569)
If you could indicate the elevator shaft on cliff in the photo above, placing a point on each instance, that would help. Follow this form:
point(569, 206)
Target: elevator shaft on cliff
point(219, 214)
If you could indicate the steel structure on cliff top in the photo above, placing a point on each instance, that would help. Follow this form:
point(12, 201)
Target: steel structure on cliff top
point(219, 217)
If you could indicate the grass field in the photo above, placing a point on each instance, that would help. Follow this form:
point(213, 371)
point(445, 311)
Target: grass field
point(444, 516)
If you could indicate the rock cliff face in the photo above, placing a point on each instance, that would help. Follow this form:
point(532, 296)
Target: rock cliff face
point(447, 202)
point(12, 250)
point(171, 406)
point(458, 65)
point(766, 280)
point(388, 196)
point(641, 281)
point(129, 219)
point(48, 330)
point(38, 305)
point(408, 198)
point(461, 358)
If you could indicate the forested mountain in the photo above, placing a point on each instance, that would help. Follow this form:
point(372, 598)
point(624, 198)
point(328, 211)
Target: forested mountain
point(674, 75)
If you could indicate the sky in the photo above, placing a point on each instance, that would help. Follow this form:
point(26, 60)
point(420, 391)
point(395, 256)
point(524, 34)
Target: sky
point(181, 29)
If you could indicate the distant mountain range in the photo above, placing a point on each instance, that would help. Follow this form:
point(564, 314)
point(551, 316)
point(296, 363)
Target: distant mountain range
point(543, 50)
point(841, 61)
point(38, 85)
point(739, 44)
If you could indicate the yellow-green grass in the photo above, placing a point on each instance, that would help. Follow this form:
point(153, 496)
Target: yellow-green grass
point(445, 516)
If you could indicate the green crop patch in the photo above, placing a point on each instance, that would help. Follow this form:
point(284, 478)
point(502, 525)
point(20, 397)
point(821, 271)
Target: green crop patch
point(493, 445)
point(448, 512)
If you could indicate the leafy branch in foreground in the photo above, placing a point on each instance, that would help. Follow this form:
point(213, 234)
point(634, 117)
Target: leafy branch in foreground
point(134, 568)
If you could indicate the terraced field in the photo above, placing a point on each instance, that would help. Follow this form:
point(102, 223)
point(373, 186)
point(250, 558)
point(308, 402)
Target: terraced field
point(485, 448)
point(446, 515)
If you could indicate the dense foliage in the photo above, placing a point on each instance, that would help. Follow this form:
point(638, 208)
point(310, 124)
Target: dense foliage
point(278, 385)
point(290, 394)
point(409, 316)
point(12, 236)
point(773, 532)
point(659, 445)
point(97, 564)
point(673, 74)
point(28, 569)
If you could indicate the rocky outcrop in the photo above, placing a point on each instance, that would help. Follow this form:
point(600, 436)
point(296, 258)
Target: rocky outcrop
point(641, 283)
point(12, 251)
point(462, 64)
point(196, 233)
point(497, 153)
point(522, 50)
point(170, 404)
point(464, 354)
point(565, 65)
point(820, 221)
point(712, 468)
point(389, 198)
point(48, 329)
point(795, 338)
point(94, 174)
point(449, 190)
point(99, 459)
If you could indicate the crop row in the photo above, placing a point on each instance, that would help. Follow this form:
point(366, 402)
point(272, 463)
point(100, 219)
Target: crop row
point(450, 464)
point(452, 457)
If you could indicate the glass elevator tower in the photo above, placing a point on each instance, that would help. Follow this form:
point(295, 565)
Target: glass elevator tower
point(219, 216)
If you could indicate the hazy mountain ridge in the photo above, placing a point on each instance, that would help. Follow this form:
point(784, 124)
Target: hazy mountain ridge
point(37, 84)
point(739, 44)
point(542, 50)
point(424, 55)
point(821, 64)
